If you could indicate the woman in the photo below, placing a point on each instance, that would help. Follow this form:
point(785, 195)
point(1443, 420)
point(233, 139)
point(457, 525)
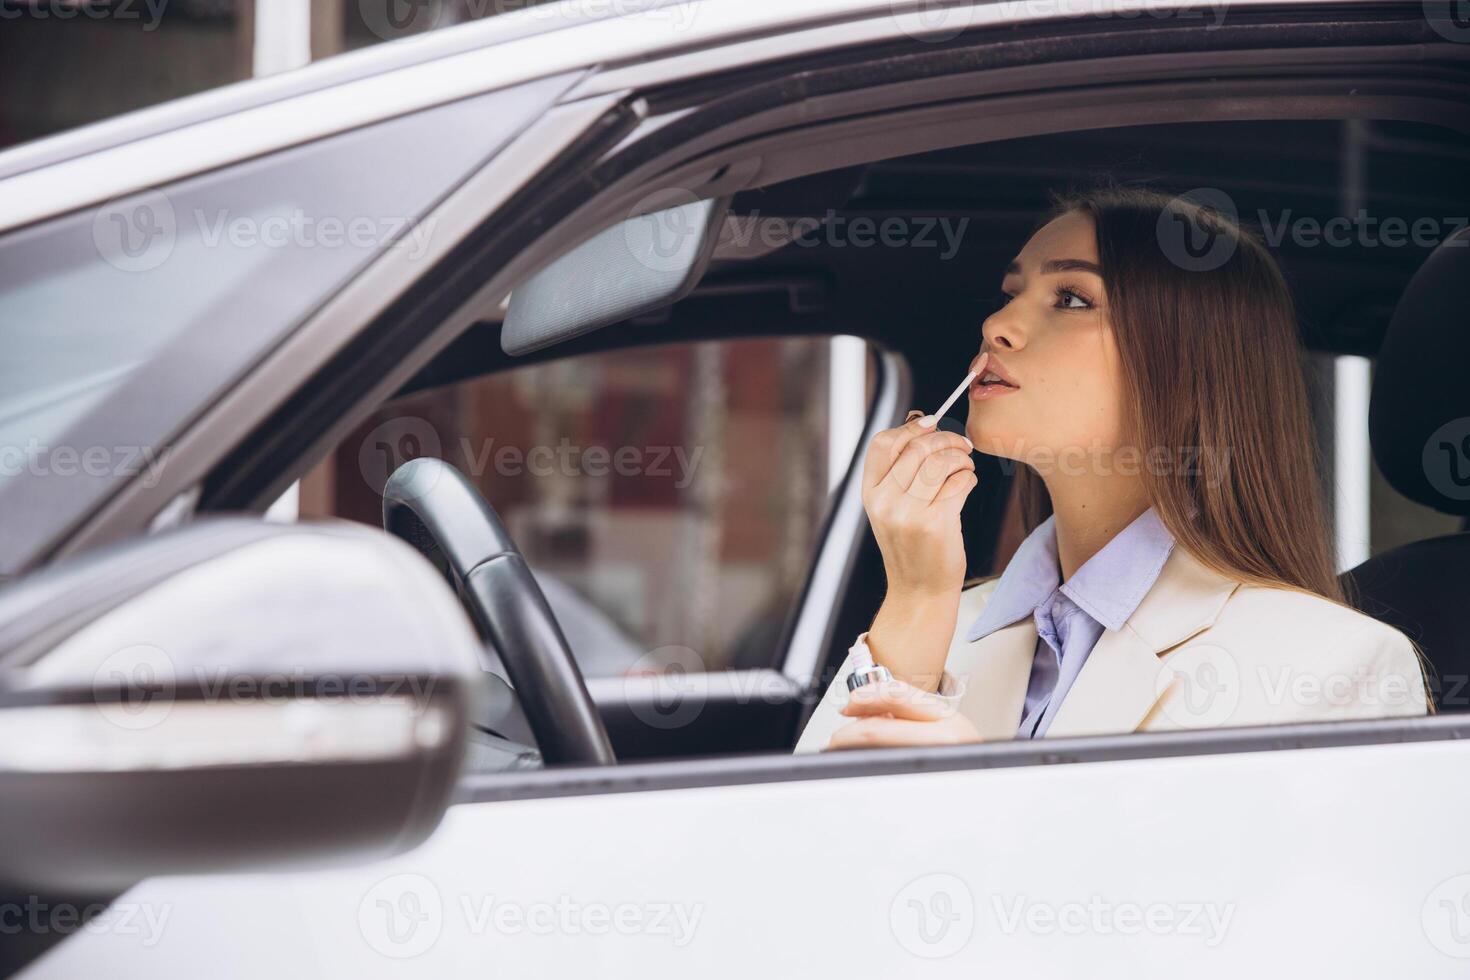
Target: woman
point(1178, 573)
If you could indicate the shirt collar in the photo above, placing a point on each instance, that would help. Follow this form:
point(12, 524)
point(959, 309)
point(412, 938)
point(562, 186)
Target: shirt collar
point(1108, 587)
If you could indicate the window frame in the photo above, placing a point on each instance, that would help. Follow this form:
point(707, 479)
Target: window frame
point(625, 143)
point(1137, 746)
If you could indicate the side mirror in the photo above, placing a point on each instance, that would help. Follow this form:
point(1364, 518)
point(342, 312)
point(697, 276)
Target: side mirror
point(230, 695)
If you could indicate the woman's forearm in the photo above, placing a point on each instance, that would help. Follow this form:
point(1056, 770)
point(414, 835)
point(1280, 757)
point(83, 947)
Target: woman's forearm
point(911, 636)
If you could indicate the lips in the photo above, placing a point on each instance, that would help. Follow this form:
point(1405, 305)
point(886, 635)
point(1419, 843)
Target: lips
point(995, 375)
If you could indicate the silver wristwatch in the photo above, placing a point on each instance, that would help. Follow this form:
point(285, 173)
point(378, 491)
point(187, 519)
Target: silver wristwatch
point(864, 670)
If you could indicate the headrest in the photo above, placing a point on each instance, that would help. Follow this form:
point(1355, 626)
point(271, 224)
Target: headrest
point(1419, 418)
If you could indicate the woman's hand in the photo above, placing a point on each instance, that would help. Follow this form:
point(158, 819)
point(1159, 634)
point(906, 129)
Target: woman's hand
point(893, 713)
point(915, 481)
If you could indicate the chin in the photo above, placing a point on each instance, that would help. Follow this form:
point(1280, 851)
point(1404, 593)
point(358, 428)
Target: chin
point(992, 443)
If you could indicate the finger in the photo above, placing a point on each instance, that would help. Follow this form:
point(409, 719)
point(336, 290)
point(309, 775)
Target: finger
point(887, 446)
point(872, 733)
point(898, 699)
point(918, 447)
point(958, 486)
point(936, 471)
point(929, 472)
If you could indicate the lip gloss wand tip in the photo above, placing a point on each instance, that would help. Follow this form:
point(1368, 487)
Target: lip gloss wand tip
point(930, 421)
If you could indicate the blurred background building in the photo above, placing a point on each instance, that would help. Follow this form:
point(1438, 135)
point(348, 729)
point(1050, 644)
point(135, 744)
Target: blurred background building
point(64, 63)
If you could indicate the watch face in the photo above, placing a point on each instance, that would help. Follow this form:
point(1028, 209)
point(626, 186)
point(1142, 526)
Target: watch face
point(868, 675)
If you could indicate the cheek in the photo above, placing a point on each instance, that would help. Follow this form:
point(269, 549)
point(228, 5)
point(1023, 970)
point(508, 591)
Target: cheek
point(1086, 393)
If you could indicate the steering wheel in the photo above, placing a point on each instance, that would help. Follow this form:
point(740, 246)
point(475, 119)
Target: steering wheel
point(433, 507)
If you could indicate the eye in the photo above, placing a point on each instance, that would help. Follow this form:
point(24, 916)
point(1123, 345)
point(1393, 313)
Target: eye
point(1002, 298)
point(1070, 298)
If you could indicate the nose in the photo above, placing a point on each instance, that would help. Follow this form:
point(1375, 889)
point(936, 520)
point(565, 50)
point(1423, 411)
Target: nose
point(1003, 330)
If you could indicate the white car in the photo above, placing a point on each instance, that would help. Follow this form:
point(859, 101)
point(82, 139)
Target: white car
point(241, 748)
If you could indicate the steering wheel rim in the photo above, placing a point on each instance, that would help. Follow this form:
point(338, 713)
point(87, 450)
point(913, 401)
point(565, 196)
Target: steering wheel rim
point(433, 507)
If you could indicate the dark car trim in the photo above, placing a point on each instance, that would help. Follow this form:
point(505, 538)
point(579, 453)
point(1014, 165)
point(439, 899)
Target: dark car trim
point(742, 770)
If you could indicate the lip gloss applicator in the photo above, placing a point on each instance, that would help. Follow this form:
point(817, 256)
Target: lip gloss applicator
point(864, 670)
point(929, 421)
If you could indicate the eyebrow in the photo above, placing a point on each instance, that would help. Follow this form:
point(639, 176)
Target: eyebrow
point(1057, 265)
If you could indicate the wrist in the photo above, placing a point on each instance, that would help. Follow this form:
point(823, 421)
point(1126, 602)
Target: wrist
point(920, 601)
point(912, 639)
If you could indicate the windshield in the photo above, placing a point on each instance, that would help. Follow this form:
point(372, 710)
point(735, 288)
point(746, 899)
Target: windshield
point(121, 324)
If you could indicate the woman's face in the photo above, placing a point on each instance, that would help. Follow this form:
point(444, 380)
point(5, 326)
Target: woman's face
point(1053, 339)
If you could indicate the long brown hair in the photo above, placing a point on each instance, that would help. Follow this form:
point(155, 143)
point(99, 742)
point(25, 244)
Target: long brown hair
point(1211, 364)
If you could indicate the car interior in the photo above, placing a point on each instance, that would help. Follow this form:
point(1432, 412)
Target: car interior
point(918, 311)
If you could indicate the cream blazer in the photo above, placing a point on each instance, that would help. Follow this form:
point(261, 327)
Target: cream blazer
point(1200, 651)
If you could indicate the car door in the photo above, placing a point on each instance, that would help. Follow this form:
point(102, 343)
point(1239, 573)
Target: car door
point(1313, 849)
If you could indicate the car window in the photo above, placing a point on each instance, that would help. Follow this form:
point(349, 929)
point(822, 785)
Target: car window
point(1369, 515)
point(669, 500)
point(121, 322)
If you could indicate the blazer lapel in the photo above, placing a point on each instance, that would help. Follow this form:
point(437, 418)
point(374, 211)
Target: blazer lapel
point(1123, 677)
point(997, 669)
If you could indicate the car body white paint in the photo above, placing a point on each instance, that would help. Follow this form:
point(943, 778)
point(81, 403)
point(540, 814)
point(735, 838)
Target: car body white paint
point(1337, 862)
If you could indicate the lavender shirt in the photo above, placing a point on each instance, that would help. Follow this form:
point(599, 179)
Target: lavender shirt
point(1071, 616)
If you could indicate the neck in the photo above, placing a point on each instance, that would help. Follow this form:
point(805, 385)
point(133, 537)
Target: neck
point(1090, 510)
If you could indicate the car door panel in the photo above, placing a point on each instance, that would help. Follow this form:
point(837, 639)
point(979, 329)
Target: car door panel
point(1325, 861)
